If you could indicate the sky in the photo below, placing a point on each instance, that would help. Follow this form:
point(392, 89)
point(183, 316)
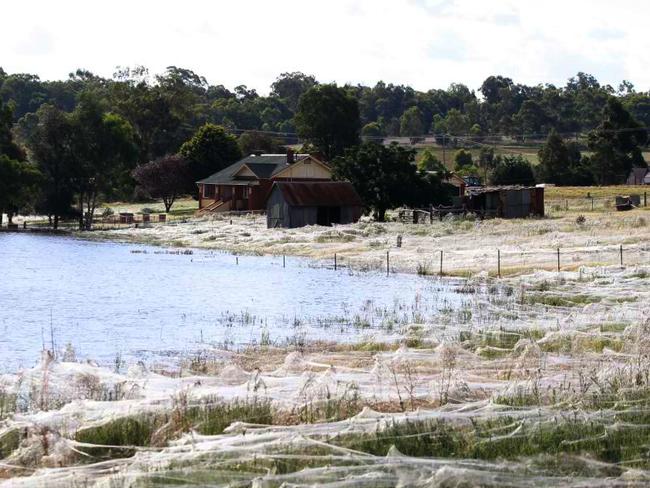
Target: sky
point(422, 43)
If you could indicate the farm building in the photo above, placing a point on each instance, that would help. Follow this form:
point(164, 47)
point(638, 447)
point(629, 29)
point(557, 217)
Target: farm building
point(505, 201)
point(245, 185)
point(296, 204)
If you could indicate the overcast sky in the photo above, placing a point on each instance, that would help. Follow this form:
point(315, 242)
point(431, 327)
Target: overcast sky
point(423, 43)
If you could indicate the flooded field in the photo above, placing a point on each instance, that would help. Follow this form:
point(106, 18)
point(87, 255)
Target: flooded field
point(142, 302)
point(252, 374)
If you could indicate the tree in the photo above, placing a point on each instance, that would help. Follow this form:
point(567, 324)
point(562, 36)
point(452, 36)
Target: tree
point(553, 160)
point(373, 130)
point(18, 186)
point(486, 160)
point(250, 142)
point(411, 123)
point(7, 145)
point(103, 150)
point(463, 159)
point(291, 86)
point(513, 170)
point(328, 118)
point(385, 177)
point(429, 162)
point(210, 149)
point(616, 144)
point(50, 146)
point(18, 179)
point(165, 178)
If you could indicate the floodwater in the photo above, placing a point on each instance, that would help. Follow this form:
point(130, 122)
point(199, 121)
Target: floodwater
point(138, 302)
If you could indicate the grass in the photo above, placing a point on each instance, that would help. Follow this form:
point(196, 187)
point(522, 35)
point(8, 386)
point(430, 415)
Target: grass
point(211, 417)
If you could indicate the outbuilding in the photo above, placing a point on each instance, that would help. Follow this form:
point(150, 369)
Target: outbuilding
point(507, 202)
point(296, 204)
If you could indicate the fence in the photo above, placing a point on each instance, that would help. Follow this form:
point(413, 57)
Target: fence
point(495, 262)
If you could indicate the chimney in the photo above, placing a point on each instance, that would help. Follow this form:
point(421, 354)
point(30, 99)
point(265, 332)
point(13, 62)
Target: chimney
point(290, 156)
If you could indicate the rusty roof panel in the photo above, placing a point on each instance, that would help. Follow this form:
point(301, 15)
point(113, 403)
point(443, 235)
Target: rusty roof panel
point(319, 193)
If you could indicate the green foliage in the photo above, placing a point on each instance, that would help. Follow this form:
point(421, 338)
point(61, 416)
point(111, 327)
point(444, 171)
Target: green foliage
point(463, 159)
point(385, 177)
point(372, 130)
point(210, 149)
point(289, 87)
point(513, 170)
point(250, 142)
point(429, 162)
point(411, 123)
point(18, 185)
point(616, 144)
point(328, 118)
point(562, 164)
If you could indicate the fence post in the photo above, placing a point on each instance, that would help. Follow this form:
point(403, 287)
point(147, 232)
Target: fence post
point(387, 263)
point(645, 198)
point(566, 205)
point(592, 204)
point(334, 261)
point(558, 259)
point(621, 252)
point(499, 263)
point(237, 260)
point(440, 262)
point(284, 261)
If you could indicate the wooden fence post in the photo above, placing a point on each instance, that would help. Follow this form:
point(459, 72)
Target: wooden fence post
point(621, 253)
point(440, 262)
point(387, 263)
point(334, 261)
point(284, 261)
point(499, 263)
point(558, 259)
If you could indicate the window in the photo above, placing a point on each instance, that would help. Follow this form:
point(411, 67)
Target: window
point(246, 192)
point(208, 191)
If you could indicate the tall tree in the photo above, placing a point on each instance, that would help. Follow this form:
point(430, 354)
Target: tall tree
point(616, 144)
point(210, 149)
point(50, 146)
point(385, 177)
point(328, 118)
point(103, 150)
point(411, 123)
point(291, 86)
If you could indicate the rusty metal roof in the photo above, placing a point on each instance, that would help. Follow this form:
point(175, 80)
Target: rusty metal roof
point(319, 193)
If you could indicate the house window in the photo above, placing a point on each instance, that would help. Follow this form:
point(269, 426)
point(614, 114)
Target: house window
point(208, 191)
point(246, 192)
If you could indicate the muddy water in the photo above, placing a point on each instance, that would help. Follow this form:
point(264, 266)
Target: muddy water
point(142, 302)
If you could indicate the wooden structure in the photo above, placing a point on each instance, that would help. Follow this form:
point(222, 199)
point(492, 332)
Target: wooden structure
point(296, 204)
point(246, 184)
point(507, 202)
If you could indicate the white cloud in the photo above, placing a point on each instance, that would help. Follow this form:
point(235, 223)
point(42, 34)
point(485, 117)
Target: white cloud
point(424, 43)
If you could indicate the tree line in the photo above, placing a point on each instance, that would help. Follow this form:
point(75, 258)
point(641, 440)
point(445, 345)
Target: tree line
point(65, 145)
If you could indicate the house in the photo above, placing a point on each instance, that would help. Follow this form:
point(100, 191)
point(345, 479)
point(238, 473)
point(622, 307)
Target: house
point(505, 201)
point(245, 185)
point(638, 176)
point(296, 204)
